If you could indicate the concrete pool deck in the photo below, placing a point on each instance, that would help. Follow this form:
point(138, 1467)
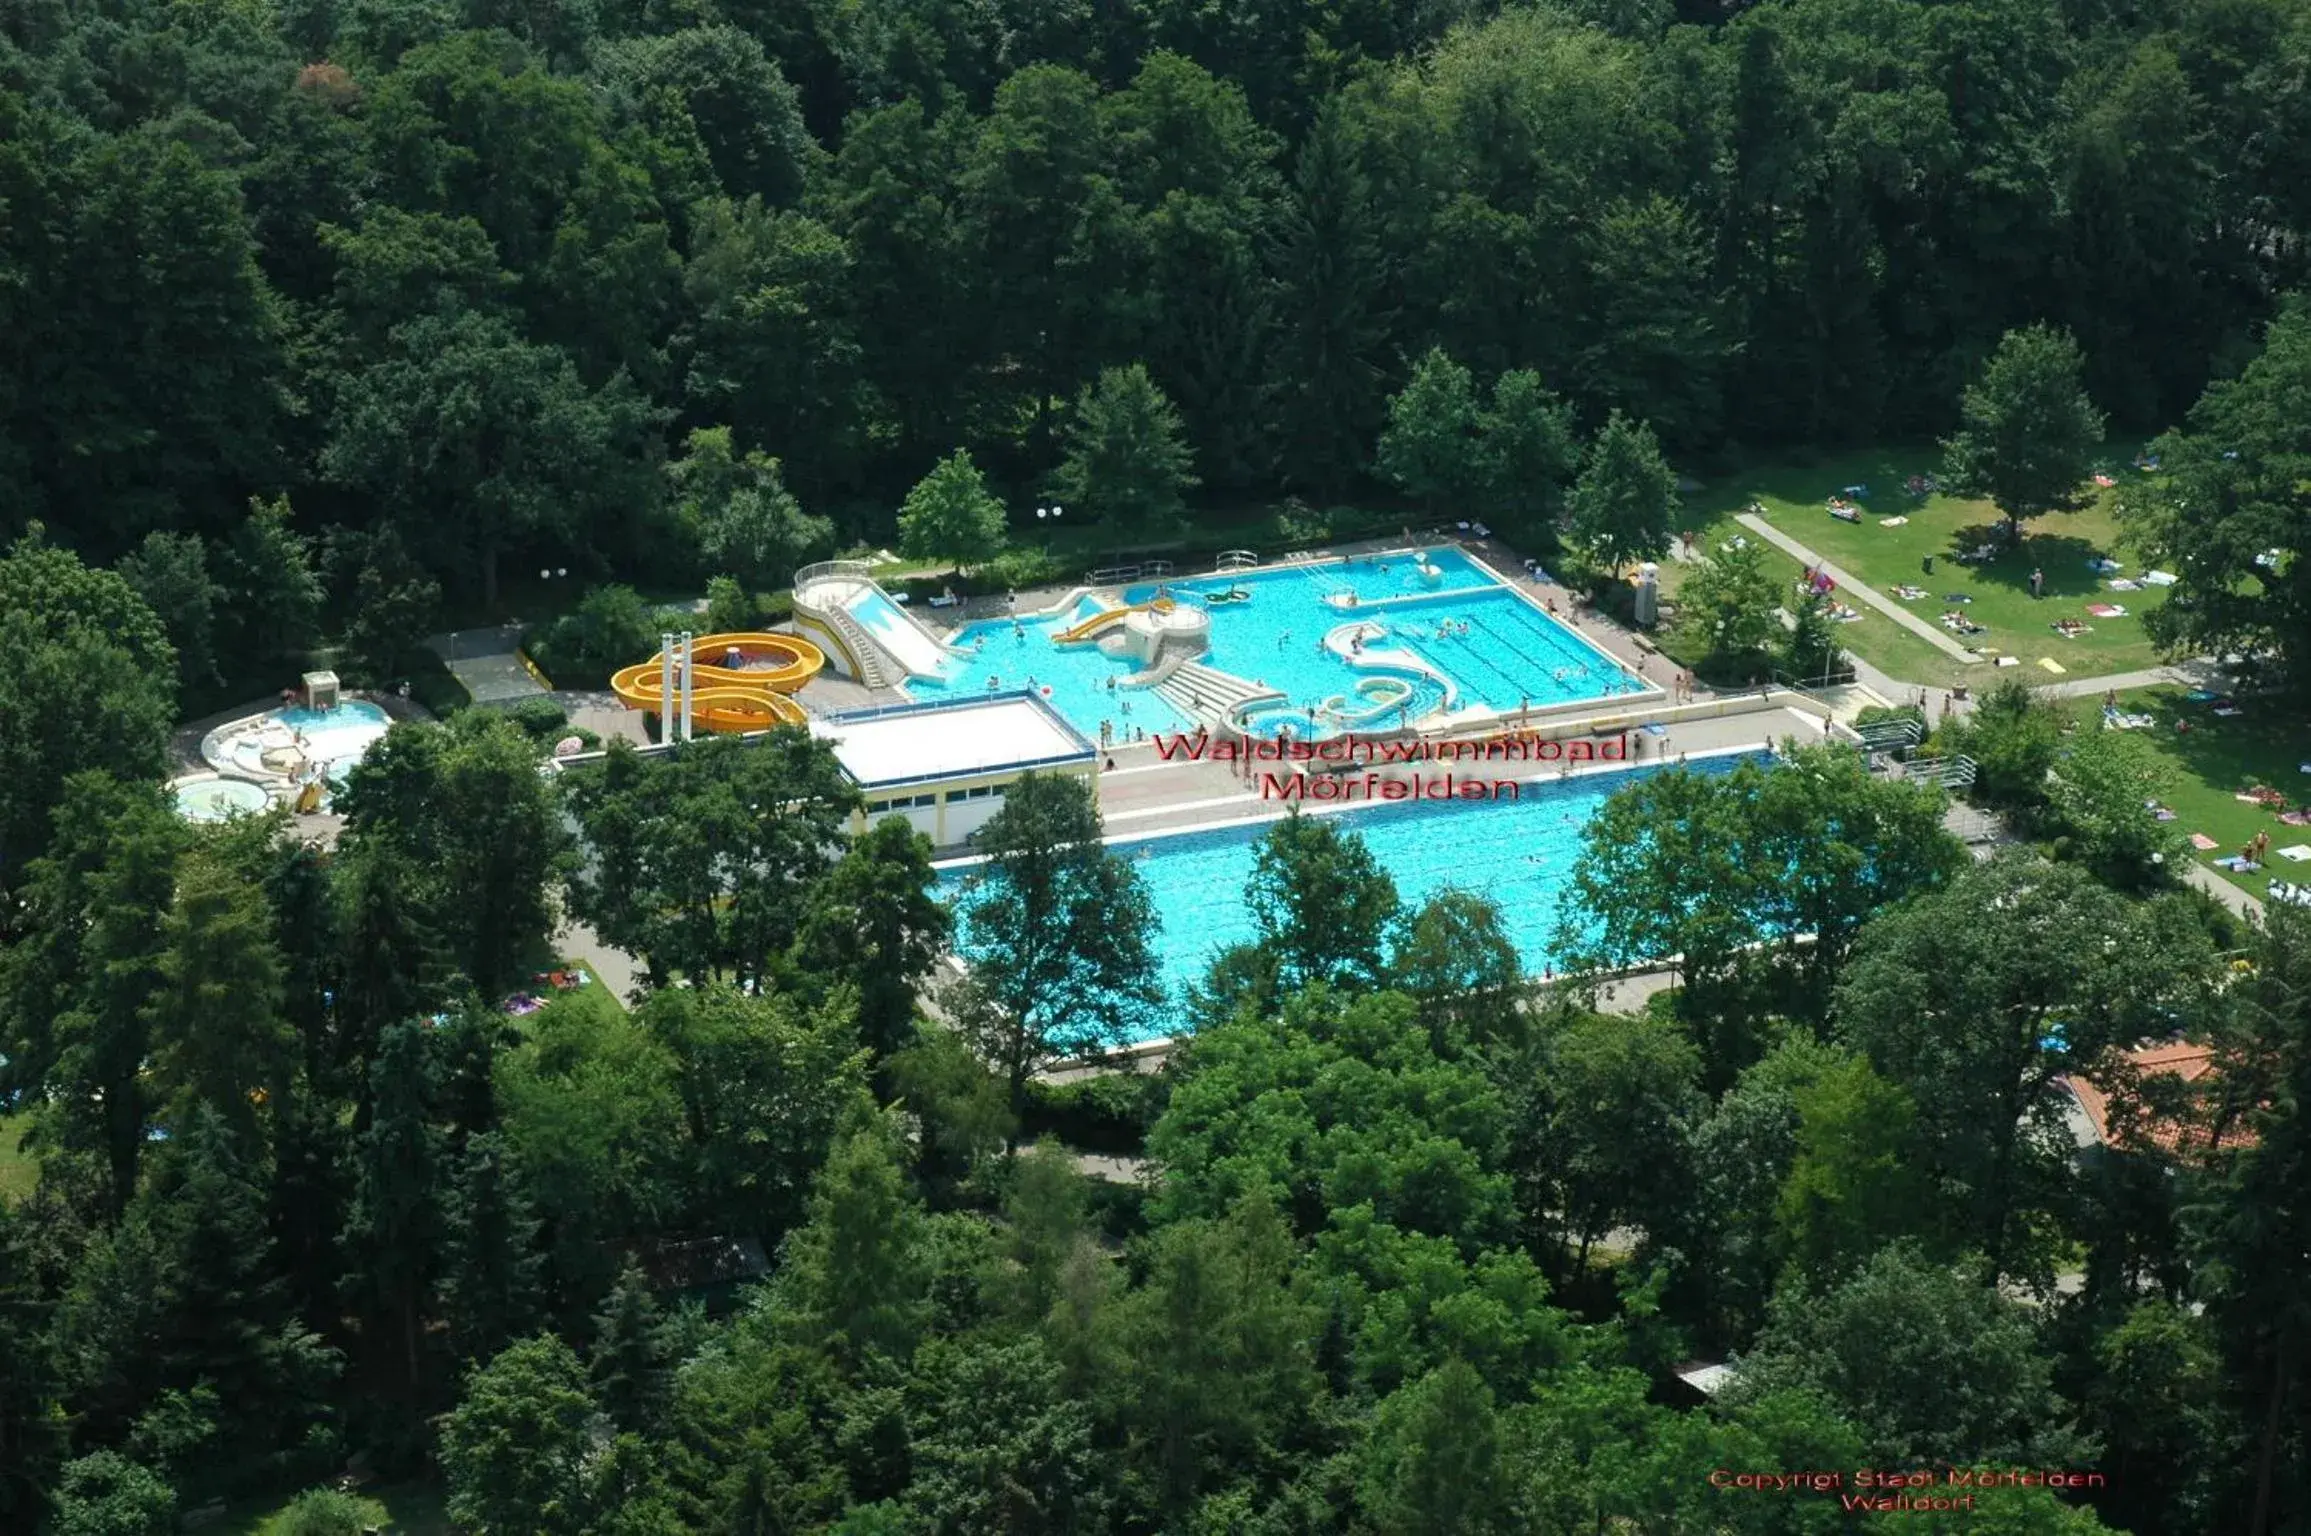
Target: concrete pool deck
point(1145, 794)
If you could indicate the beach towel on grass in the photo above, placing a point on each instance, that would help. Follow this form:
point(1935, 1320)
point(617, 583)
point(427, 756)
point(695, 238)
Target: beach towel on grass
point(1892, 522)
point(2106, 610)
point(2124, 584)
point(2297, 854)
point(2202, 842)
point(2160, 578)
point(2051, 665)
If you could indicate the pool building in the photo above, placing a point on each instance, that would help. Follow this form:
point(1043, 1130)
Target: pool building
point(945, 766)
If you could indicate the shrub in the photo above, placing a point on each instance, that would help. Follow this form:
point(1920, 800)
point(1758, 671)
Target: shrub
point(1107, 1113)
point(1015, 568)
point(610, 628)
point(434, 686)
point(544, 719)
point(326, 1512)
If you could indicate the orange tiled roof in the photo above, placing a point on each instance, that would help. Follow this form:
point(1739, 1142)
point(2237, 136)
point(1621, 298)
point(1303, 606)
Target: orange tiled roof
point(2169, 1058)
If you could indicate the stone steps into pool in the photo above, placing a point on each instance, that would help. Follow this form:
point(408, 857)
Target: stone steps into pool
point(1199, 690)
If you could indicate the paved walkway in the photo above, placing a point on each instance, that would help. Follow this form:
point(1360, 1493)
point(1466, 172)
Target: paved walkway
point(485, 660)
point(1932, 634)
point(613, 968)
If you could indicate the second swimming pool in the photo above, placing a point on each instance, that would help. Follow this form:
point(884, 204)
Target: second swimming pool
point(1518, 853)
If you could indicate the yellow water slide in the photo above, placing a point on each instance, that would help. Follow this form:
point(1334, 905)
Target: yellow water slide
point(1101, 620)
point(741, 684)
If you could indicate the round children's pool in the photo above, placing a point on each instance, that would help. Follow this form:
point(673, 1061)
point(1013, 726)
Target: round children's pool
point(212, 800)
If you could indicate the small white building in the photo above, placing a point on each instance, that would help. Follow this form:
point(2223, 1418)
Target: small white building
point(945, 765)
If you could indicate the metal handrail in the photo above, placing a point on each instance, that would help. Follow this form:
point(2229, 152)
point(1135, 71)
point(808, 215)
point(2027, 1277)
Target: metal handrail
point(825, 568)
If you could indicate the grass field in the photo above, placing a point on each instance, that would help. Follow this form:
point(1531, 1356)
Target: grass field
point(19, 1171)
point(2213, 762)
point(1796, 498)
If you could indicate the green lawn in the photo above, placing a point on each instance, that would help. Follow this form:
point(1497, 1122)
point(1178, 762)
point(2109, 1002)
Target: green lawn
point(19, 1170)
point(2214, 761)
point(1876, 639)
point(592, 999)
point(1796, 498)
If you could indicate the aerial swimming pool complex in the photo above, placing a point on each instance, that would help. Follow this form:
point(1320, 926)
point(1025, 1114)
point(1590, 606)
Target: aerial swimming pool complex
point(1388, 641)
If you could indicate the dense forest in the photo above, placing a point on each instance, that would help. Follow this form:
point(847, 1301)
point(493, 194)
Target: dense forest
point(319, 319)
point(460, 279)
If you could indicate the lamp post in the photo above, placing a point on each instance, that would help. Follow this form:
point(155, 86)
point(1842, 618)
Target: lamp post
point(1048, 518)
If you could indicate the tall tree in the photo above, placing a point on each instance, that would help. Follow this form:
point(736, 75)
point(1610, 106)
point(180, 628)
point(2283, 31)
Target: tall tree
point(856, 1277)
point(873, 923)
point(1126, 461)
point(1620, 508)
point(479, 445)
point(1434, 446)
point(517, 1449)
point(465, 808)
point(393, 1234)
point(170, 571)
point(747, 523)
point(78, 985)
point(2027, 432)
point(1975, 997)
point(1056, 929)
point(219, 1041)
point(1321, 904)
point(951, 515)
point(2231, 513)
point(2254, 1271)
point(489, 1289)
point(1529, 457)
point(88, 679)
point(1879, 1347)
point(1331, 316)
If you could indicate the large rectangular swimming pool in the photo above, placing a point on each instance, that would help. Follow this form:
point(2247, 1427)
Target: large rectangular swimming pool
point(1520, 853)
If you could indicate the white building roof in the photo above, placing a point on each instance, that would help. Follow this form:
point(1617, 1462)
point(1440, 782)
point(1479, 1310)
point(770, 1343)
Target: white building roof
point(908, 743)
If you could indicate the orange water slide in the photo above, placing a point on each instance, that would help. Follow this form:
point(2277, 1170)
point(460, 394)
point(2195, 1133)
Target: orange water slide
point(750, 696)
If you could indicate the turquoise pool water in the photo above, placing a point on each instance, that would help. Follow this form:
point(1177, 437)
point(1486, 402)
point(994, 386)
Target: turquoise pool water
point(213, 800)
point(1519, 853)
point(998, 653)
point(336, 738)
point(1465, 641)
point(1483, 644)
